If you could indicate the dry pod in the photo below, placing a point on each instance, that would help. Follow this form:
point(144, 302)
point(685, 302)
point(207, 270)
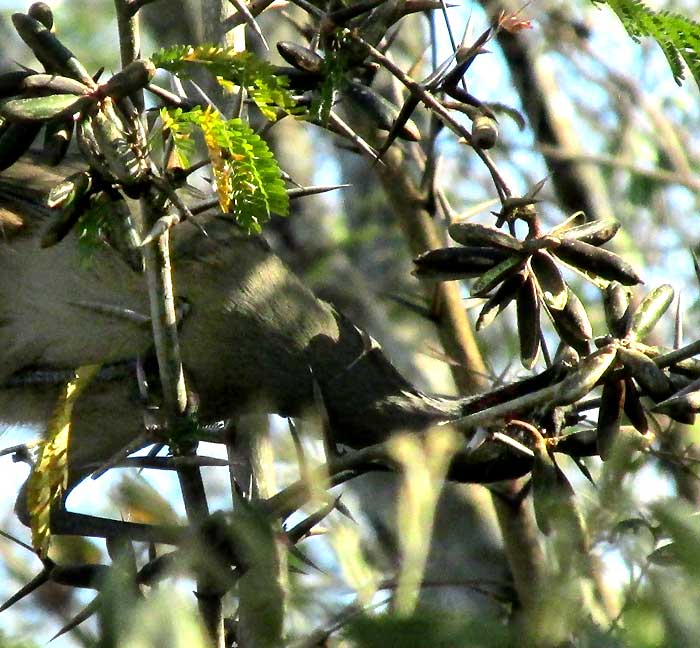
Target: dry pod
point(54, 83)
point(634, 409)
point(618, 314)
point(125, 163)
point(680, 408)
point(586, 375)
point(575, 220)
point(498, 302)
point(554, 500)
point(457, 262)
point(572, 323)
point(490, 279)
point(57, 136)
point(545, 488)
point(12, 83)
point(597, 261)
point(594, 232)
point(381, 111)
point(69, 190)
point(56, 106)
point(42, 12)
point(133, 77)
point(49, 50)
point(474, 234)
point(551, 283)
point(15, 140)
point(300, 57)
point(484, 132)
point(650, 311)
point(528, 310)
point(652, 380)
point(70, 197)
point(609, 416)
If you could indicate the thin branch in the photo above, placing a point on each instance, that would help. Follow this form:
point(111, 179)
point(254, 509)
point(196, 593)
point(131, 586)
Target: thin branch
point(660, 175)
point(129, 41)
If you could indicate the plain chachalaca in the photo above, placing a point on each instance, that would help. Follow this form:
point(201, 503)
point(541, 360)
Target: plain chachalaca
point(251, 339)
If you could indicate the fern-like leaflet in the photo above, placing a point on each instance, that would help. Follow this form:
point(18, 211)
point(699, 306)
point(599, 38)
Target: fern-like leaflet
point(268, 90)
point(678, 36)
point(248, 179)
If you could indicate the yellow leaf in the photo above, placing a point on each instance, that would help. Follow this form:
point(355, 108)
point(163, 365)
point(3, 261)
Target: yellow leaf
point(50, 475)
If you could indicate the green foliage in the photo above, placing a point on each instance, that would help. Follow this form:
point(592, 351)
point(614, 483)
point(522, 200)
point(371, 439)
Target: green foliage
point(268, 90)
point(92, 224)
point(427, 629)
point(678, 36)
point(334, 72)
point(16, 642)
point(247, 175)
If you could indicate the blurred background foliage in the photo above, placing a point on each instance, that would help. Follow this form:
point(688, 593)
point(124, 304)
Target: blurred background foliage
point(627, 134)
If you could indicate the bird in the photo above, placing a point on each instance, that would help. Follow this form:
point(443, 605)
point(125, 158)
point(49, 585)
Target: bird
point(253, 337)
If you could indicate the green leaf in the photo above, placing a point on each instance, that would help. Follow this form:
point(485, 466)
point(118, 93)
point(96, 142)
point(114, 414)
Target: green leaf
point(334, 71)
point(247, 176)
point(49, 478)
point(677, 36)
point(268, 90)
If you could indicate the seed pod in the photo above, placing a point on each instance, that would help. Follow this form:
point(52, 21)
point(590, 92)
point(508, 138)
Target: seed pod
point(57, 137)
point(399, 123)
point(49, 50)
point(55, 84)
point(528, 309)
point(299, 81)
point(71, 197)
point(382, 112)
point(499, 301)
point(84, 576)
point(585, 377)
point(125, 164)
point(12, 83)
point(680, 408)
point(545, 488)
point(609, 416)
point(484, 132)
point(618, 314)
point(553, 497)
point(572, 323)
point(678, 381)
point(300, 57)
point(69, 190)
point(652, 380)
point(597, 261)
point(575, 220)
point(15, 140)
point(62, 224)
point(594, 232)
point(551, 284)
point(38, 109)
point(87, 143)
point(579, 444)
point(650, 311)
point(42, 12)
point(634, 409)
point(457, 262)
point(133, 77)
point(482, 236)
point(491, 278)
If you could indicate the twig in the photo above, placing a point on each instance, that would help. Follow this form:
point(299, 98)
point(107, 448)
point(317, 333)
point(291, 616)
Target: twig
point(439, 111)
point(661, 175)
point(129, 41)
